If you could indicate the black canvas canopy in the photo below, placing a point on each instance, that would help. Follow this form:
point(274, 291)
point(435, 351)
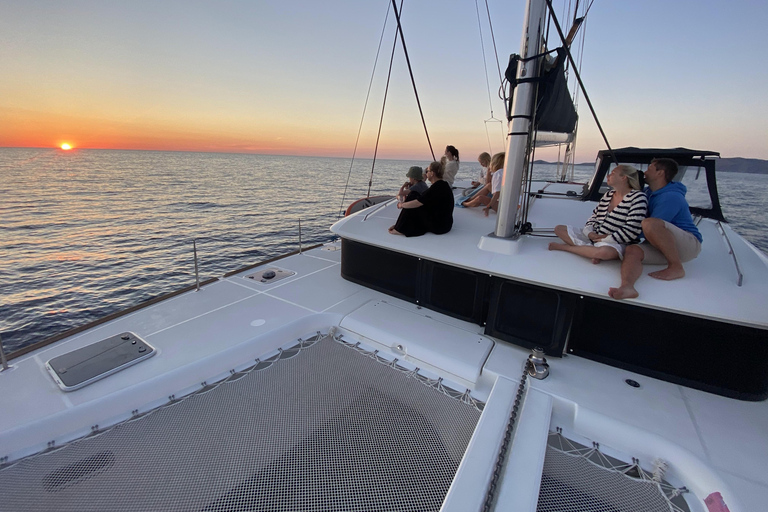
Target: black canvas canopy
point(644, 156)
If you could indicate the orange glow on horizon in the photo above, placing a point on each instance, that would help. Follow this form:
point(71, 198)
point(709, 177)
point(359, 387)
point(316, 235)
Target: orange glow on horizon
point(66, 146)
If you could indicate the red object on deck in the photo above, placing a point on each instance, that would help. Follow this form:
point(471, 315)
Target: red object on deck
point(715, 503)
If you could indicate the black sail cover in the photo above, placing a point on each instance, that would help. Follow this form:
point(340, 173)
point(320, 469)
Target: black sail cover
point(555, 111)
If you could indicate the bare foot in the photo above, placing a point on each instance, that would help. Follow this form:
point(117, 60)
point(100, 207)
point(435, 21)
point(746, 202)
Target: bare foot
point(554, 246)
point(596, 261)
point(393, 231)
point(669, 273)
point(623, 292)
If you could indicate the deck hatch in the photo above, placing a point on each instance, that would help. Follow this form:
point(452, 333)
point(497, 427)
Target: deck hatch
point(319, 426)
point(93, 362)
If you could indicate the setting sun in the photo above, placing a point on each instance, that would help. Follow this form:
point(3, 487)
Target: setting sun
point(66, 146)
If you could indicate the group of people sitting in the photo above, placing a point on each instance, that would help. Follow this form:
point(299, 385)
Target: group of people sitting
point(428, 209)
point(487, 189)
point(659, 213)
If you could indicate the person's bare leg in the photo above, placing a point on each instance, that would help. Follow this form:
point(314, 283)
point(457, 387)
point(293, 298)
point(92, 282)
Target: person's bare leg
point(661, 238)
point(631, 269)
point(594, 253)
point(562, 233)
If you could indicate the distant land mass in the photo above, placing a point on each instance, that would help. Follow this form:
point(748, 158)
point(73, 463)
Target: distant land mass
point(734, 164)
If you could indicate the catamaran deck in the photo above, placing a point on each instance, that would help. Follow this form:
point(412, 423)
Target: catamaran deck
point(711, 443)
point(470, 245)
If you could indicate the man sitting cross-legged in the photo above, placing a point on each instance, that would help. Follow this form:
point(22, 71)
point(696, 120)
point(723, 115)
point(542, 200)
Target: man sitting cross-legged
point(671, 237)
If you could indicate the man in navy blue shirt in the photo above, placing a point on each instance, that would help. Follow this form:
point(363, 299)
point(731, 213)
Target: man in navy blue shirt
point(671, 237)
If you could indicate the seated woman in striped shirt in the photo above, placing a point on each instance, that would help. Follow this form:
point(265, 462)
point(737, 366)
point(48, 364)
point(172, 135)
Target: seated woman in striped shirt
point(614, 223)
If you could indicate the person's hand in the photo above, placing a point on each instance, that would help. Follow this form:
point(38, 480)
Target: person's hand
point(595, 237)
point(399, 206)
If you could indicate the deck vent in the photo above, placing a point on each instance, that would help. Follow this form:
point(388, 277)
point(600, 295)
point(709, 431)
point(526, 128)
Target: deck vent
point(270, 275)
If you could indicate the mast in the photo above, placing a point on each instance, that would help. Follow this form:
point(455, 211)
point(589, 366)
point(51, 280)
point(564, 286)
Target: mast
point(518, 128)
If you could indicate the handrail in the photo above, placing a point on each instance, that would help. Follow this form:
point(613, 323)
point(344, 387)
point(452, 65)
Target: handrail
point(732, 253)
point(378, 207)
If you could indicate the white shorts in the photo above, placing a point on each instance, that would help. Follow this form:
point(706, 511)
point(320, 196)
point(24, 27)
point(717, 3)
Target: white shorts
point(579, 238)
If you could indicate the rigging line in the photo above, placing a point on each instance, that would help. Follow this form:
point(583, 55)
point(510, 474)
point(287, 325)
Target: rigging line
point(487, 84)
point(578, 77)
point(493, 38)
point(575, 14)
point(383, 106)
point(365, 107)
point(485, 66)
point(588, 8)
point(410, 71)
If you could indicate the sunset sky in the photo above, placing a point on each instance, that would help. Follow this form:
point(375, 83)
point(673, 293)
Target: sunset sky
point(291, 77)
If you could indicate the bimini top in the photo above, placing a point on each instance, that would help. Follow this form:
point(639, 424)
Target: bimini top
point(706, 200)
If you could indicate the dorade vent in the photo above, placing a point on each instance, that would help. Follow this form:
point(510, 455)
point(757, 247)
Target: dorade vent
point(318, 425)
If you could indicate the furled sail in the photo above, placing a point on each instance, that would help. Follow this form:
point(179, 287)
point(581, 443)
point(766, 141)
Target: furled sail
point(555, 111)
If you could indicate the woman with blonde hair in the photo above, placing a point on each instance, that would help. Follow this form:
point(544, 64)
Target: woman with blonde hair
point(484, 159)
point(492, 186)
point(615, 222)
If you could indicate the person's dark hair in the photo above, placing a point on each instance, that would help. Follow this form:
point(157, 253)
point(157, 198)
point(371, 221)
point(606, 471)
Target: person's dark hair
point(437, 168)
point(667, 165)
point(452, 150)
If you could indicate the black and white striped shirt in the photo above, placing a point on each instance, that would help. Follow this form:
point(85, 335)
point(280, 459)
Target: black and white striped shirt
point(623, 223)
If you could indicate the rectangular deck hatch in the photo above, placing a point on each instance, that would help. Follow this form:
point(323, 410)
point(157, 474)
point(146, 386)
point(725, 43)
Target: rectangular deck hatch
point(88, 364)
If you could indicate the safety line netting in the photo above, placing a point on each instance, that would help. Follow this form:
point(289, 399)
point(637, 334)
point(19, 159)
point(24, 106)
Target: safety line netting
point(578, 478)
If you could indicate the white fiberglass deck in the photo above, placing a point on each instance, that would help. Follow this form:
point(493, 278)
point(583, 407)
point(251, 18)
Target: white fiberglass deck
point(468, 245)
point(711, 443)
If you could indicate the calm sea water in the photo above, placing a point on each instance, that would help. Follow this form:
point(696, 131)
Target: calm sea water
point(90, 232)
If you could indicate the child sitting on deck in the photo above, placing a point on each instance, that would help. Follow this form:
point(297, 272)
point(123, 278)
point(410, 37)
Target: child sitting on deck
point(414, 187)
point(614, 223)
point(483, 197)
point(484, 159)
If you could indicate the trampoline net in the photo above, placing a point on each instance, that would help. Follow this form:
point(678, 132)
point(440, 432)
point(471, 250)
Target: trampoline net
point(577, 478)
point(320, 426)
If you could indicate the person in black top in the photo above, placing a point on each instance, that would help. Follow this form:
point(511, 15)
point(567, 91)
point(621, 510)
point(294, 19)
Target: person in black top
point(432, 212)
